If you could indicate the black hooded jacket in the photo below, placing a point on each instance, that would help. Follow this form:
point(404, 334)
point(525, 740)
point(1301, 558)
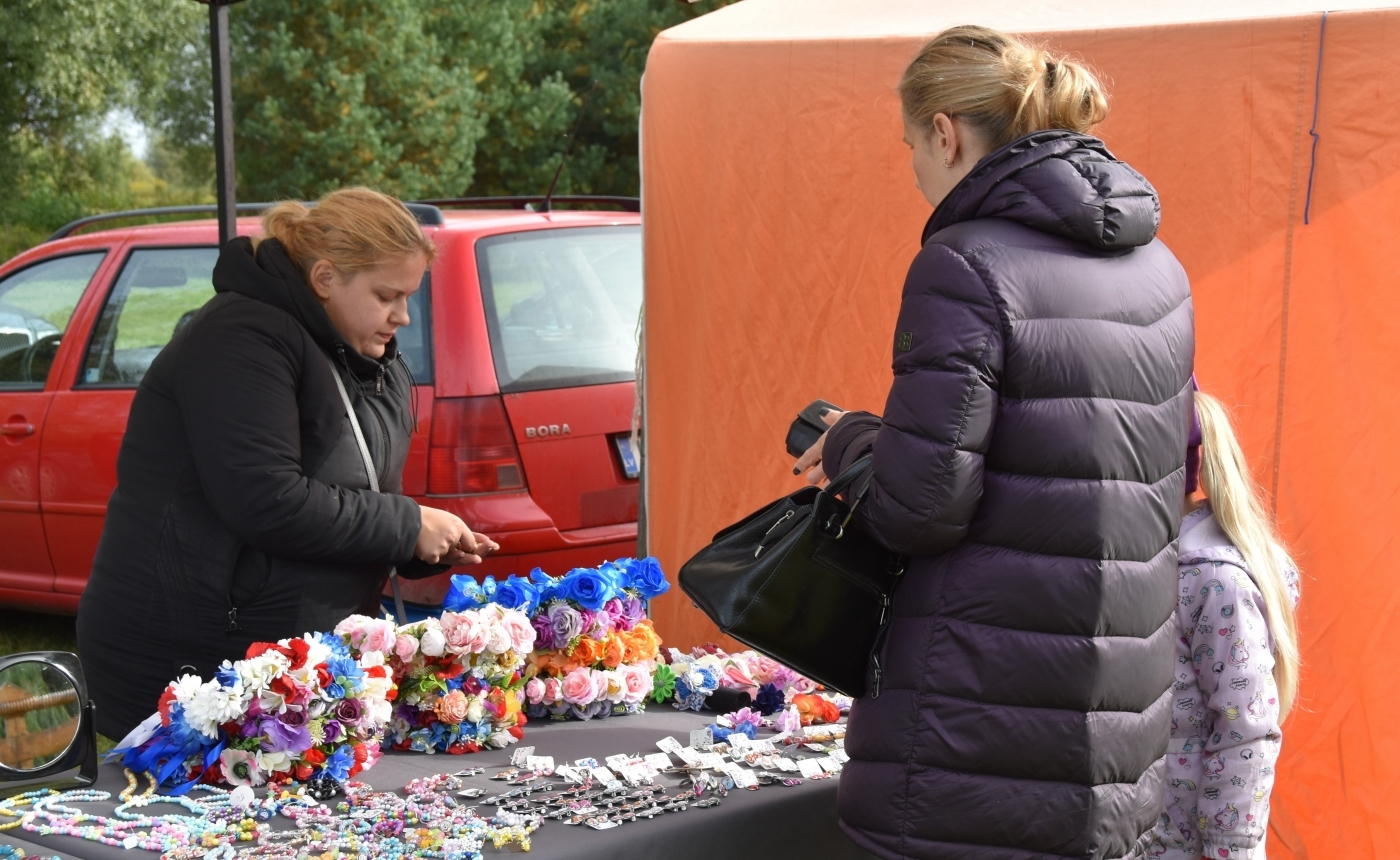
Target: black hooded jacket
point(242, 511)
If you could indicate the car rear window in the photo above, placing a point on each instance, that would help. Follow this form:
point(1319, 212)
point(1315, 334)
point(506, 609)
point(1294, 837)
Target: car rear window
point(562, 306)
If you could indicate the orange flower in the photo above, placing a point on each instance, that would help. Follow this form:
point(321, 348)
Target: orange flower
point(648, 643)
point(613, 651)
point(814, 709)
point(587, 652)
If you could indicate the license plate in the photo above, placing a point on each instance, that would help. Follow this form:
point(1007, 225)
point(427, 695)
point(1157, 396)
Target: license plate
point(631, 463)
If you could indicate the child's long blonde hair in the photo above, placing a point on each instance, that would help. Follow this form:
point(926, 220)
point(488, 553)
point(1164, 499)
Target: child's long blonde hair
point(1235, 501)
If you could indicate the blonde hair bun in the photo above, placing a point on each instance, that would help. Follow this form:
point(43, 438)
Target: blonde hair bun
point(1001, 84)
point(353, 228)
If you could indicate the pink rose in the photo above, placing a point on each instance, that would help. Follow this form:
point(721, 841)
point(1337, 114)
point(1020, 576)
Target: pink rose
point(352, 628)
point(553, 691)
point(405, 647)
point(579, 688)
point(636, 683)
point(379, 636)
point(465, 632)
point(522, 632)
point(534, 691)
point(763, 671)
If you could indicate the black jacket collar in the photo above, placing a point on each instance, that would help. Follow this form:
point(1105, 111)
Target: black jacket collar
point(269, 276)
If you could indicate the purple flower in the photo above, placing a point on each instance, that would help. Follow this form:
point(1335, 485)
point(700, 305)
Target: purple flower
point(333, 731)
point(615, 614)
point(279, 737)
point(633, 611)
point(544, 632)
point(565, 622)
point(296, 718)
point(349, 710)
point(595, 624)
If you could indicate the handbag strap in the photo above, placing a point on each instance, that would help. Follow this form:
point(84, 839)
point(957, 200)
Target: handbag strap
point(843, 480)
point(373, 477)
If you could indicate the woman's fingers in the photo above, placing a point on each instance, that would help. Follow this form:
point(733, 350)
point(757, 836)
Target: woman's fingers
point(484, 544)
point(811, 457)
point(817, 476)
point(831, 417)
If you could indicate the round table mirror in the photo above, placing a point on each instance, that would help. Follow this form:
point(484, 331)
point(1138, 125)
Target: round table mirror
point(39, 714)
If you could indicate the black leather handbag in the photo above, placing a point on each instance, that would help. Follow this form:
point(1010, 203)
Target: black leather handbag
point(795, 582)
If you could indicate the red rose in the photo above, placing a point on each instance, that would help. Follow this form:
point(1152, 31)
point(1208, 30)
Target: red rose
point(472, 746)
point(303, 772)
point(520, 719)
point(300, 649)
point(516, 732)
point(313, 756)
point(283, 686)
point(458, 748)
point(376, 672)
point(212, 775)
point(360, 753)
point(355, 768)
point(392, 694)
point(323, 675)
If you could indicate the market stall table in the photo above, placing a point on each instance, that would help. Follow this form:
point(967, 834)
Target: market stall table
point(775, 821)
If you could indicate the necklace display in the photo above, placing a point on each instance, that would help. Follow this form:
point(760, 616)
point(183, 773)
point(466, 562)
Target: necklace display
point(10, 852)
point(427, 823)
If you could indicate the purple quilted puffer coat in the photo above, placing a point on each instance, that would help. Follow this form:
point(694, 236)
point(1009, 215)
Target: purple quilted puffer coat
point(1031, 461)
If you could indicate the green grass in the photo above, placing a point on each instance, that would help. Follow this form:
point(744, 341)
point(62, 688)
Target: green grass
point(34, 631)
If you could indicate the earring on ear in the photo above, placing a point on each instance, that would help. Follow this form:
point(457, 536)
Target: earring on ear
point(946, 164)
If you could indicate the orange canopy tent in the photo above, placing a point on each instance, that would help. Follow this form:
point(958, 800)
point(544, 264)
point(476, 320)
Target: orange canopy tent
point(780, 215)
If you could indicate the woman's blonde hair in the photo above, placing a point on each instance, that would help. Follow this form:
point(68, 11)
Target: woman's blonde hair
point(1238, 507)
point(352, 228)
point(1002, 85)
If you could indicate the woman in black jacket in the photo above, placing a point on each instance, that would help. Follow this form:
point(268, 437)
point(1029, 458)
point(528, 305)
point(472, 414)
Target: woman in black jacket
point(244, 510)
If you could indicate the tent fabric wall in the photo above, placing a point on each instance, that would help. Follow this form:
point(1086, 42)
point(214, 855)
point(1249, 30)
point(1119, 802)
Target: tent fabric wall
point(780, 215)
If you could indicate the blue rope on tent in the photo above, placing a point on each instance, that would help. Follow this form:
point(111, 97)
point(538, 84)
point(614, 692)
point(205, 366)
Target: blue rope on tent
point(1317, 99)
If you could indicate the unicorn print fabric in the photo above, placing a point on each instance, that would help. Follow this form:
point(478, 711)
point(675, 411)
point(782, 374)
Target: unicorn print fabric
point(1225, 731)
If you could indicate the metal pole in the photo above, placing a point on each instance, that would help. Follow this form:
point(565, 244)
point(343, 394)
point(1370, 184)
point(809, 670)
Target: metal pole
point(223, 120)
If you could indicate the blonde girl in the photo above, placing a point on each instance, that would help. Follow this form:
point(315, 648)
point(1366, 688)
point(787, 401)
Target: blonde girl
point(1237, 657)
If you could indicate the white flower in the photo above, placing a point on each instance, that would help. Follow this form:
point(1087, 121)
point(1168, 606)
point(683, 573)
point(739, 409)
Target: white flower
point(498, 639)
point(186, 688)
point(475, 711)
point(433, 643)
point(500, 740)
point(213, 705)
point(258, 672)
point(269, 762)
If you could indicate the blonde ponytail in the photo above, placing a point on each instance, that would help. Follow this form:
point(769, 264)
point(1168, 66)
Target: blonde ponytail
point(354, 228)
point(1002, 85)
point(1238, 508)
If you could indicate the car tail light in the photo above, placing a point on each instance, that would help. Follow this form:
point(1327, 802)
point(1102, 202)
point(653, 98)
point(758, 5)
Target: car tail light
point(472, 448)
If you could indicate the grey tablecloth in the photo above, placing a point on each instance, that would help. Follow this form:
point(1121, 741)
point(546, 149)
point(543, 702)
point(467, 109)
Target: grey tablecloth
point(775, 821)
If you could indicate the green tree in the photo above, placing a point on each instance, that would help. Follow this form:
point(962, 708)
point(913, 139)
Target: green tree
point(335, 92)
point(565, 48)
point(64, 65)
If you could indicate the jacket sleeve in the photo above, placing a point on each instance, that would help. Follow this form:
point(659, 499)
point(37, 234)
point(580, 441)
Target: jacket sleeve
point(1241, 706)
point(237, 393)
point(938, 418)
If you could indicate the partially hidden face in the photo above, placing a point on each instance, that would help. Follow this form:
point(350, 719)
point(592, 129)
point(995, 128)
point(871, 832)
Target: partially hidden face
point(369, 306)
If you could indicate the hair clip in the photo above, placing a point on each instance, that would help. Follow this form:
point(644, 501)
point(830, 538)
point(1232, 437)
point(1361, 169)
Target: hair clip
point(508, 773)
point(707, 802)
point(470, 771)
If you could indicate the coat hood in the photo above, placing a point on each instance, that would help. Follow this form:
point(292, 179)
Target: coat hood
point(1057, 182)
point(269, 276)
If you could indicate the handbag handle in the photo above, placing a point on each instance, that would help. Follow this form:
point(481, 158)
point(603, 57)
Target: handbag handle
point(844, 480)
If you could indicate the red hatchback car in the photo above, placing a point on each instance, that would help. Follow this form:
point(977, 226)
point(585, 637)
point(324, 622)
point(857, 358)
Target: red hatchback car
point(523, 344)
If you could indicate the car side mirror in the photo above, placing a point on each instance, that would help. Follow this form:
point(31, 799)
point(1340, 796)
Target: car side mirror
point(48, 733)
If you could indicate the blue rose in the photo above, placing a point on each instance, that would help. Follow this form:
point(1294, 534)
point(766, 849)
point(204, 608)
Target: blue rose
point(645, 577)
point(587, 587)
point(338, 763)
point(517, 593)
point(546, 585)
point(465, 593)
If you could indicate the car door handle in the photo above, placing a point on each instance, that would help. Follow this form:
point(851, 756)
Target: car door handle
point(16, 428)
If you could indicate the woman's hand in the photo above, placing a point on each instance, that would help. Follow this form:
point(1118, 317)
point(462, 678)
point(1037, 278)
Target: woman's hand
point(445, 539)
point(812, 459)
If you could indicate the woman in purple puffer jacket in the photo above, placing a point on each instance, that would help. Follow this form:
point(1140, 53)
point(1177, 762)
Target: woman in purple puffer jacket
point(1030, 461)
